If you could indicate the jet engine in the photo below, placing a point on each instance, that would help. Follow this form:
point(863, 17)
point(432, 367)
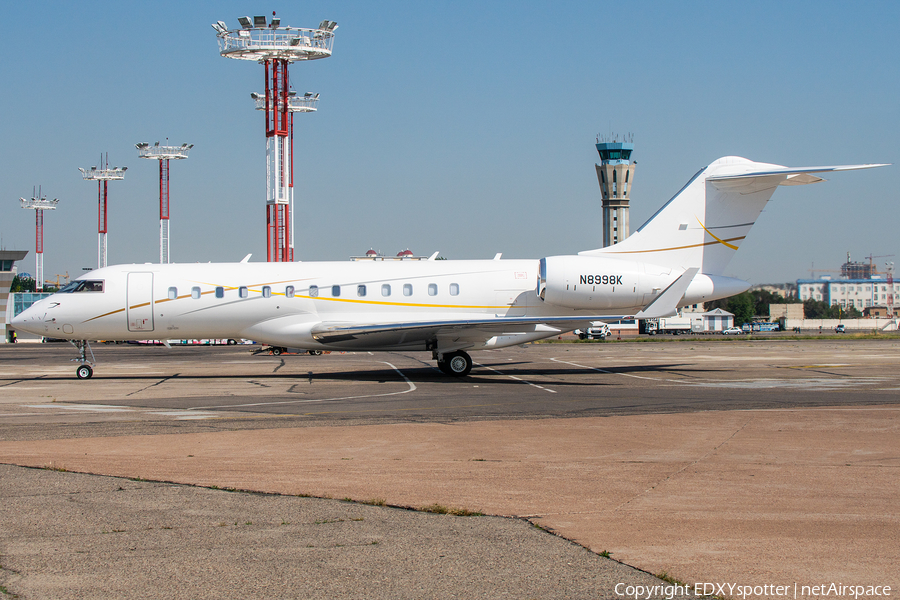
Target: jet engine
point(595, 282)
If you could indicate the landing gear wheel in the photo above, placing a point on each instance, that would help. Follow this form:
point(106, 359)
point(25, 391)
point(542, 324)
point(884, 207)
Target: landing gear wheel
point(315, 353)
point(84, 372)
point(276, 351)
point(456, 364)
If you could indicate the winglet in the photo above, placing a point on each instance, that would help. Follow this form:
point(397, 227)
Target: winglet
point(666, 303)
point(247, 258)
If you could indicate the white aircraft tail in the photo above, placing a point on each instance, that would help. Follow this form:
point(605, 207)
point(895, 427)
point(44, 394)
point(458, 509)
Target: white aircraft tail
point(702, 226)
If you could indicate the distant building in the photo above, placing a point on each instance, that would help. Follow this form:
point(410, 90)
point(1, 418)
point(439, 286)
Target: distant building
point(785, 290)
point(785, 311)
point(402, 255)
point(717, 320)
point(8, 260)
point(857, 293)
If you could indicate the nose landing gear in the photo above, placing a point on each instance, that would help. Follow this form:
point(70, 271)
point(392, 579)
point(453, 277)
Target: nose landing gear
point(85, 370)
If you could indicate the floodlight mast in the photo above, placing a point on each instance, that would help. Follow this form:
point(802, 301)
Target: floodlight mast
point(276, 47)
point(39, 204)
point(163, 154)
point(102, 176)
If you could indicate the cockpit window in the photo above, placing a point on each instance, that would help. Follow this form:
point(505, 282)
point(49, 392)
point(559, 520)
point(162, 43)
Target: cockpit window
point(82, 285)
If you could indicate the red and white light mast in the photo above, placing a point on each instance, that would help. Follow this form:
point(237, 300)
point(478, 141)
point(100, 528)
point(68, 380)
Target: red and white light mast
point(163, 154)
point(39, 204)
point(276, 47)
point(102, 176)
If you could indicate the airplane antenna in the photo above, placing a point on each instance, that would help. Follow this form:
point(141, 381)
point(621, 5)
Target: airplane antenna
point(102, 176)
point(276, 47)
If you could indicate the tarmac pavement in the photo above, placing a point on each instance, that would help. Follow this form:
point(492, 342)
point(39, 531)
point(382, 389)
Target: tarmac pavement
point(801, 495)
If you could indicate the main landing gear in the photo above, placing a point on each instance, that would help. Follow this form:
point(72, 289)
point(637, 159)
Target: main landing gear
point(455, 364)
point(85, 371)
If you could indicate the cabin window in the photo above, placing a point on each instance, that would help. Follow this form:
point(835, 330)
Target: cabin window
point(385, 289)
point(432, 289)
point(289, 291)
point(267, 292)
point(220, 292)
point(173, 293)
point(195, 293)
point(407, 289)
point(454, 289)
point(243, 292)
point(335, 290)
point(361, 290)
point(313, 291)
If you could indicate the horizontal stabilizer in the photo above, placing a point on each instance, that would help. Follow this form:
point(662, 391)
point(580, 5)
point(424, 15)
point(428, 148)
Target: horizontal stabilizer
point(666, 304)
point(756, 180)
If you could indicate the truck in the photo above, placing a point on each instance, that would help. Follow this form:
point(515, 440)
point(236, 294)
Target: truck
point(673, 325)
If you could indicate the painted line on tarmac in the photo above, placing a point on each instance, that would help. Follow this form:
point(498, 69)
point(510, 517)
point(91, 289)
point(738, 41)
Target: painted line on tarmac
point(599, 370)
point(819, 383)
point(412, 388)
point(517, 378)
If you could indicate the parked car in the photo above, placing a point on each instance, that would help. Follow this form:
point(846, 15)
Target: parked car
point(839, 328)
point(732, 331)
point(598, 331)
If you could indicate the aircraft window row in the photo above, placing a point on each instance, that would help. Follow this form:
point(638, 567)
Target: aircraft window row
point(81, 285)
point(289, 291)
point(386, 290)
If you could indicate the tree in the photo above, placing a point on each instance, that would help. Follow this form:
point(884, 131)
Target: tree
point(20, 284)
point(816, 309)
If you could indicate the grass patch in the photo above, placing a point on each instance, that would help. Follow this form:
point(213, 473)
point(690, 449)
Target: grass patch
point(440, 509)
point(669, 579)
point(605, 554)
point(374, 502)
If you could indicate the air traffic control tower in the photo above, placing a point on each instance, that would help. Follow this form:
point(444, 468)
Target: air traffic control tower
point(615, 174)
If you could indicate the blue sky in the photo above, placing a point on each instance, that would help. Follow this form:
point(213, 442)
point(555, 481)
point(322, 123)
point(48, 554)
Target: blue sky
point(461, 127)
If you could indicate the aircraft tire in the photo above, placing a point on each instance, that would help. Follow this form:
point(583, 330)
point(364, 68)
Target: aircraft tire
point(315, 352)
point(84, 372)
point(276, 351)
point(456, 364)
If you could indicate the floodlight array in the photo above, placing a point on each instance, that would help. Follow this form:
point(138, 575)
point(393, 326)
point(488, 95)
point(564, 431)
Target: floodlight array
point(145, 150)
point(95, 174)
point(258, 40)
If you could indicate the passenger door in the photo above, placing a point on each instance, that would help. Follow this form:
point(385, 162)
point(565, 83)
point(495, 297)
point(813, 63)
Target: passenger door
point(139, 302)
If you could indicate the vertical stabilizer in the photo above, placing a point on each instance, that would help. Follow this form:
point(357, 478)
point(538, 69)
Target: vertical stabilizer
point(704, 224)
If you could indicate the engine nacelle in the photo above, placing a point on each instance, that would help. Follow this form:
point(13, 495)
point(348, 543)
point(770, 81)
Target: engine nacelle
point(595, 282)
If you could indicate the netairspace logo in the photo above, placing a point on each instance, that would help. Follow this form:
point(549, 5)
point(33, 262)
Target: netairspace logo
point(738, 591)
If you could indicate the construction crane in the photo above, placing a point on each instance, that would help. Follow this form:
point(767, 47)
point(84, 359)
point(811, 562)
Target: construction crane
point(872, 258)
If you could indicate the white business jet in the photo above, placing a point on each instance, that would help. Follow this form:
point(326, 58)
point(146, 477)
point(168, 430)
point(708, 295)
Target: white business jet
point(448, 307)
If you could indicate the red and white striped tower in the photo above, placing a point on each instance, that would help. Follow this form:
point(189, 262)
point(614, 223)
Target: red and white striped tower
point(102, 176)
point(276, 47)
point(163, 154)
point(39, 204)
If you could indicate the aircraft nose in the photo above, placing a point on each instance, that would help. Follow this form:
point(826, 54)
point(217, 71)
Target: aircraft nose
point(27, 320)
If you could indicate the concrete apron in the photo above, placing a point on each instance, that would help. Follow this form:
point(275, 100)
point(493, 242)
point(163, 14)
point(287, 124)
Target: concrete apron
point(756, 497)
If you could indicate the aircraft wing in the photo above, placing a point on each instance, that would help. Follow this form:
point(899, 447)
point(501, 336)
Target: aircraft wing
point(458, 334)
